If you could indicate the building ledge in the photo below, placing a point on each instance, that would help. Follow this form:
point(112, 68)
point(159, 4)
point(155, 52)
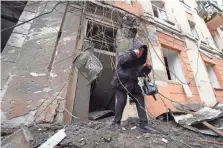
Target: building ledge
point(169, 26)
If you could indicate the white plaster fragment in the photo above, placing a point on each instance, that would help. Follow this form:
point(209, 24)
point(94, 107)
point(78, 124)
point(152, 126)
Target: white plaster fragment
point(37, 92)
point(37, 75)
point(47, 89)
point(11, 51)
point(53, 75)
point(164, 140)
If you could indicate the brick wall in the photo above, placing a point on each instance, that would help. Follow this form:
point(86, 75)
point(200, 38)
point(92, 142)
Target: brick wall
point(176, 89)
point(218, 69)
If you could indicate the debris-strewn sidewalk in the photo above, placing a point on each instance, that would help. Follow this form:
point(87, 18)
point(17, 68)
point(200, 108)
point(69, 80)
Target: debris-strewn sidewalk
point(97, 135)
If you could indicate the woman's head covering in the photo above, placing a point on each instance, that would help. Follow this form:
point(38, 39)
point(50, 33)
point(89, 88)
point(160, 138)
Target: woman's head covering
point(143, 58)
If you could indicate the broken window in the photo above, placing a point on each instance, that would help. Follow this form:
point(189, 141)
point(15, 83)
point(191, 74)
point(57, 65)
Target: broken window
point(212, 75)
point(193, 29)
point(173, 65)
point(102, 37)
point(159, 10)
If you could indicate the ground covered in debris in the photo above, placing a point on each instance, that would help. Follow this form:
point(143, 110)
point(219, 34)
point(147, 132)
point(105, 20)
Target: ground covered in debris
point(96, 134)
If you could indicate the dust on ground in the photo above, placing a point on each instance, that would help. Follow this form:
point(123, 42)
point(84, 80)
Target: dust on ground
point(97, 134)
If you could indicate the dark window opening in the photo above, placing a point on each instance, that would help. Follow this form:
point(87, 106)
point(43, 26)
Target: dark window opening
point(10, 13)
point(102, 37)
point(167, 68)
point(155, 12)
point(101, 95)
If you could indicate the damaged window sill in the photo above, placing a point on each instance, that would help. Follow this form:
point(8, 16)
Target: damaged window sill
point(218, 89)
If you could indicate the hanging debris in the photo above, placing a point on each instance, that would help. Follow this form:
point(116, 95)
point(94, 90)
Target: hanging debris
point(88, 65)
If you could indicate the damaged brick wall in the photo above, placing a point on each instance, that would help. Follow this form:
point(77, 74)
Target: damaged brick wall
point(173, 90)
point(176, 89)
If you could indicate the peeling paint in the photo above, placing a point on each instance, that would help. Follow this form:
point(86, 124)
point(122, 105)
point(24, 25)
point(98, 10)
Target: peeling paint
point(41, 33)
point(6, 85)
point(37, 75)
point(15, 122)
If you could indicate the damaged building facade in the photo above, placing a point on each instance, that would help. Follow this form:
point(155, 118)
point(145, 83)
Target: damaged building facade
point(40, 83)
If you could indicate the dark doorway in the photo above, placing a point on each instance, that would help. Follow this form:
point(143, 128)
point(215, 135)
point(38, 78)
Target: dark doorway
point(102, 97)
point(102, 38)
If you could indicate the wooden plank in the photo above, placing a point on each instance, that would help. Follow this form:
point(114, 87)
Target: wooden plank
point(208, 141)
point(54, 140)
point(213, 128)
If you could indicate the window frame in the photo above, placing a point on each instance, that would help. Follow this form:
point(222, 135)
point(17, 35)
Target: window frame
point(159, 12)
point(177, 73)
point(215, 75)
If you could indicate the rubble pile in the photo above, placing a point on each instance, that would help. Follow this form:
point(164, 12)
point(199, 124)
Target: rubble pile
point(97, 134)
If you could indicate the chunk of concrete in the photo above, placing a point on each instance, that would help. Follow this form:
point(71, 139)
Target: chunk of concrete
point(19, 139)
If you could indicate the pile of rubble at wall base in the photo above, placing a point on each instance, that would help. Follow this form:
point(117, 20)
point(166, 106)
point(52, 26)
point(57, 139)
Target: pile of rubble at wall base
point(198, 118)
point(95, 134)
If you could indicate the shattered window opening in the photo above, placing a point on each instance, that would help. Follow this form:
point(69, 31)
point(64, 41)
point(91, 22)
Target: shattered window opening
point(173, 65)
point(101, 37)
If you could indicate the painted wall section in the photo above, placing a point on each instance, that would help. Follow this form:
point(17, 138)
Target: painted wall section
point(217, 65)
point(180, 15)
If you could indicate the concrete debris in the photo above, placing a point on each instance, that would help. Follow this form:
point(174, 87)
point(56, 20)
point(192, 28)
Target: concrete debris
point(185, 107)
point(133, 128)
point(87, 134)
point(197, 120)
point(164, 140)
point(82, 142)
point(100, 114)
point(19, 139)
point(54, 140)
point(203, 114)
